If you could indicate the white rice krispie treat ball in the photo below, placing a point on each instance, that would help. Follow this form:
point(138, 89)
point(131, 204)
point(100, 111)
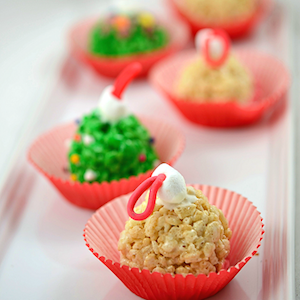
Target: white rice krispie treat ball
point(213, 12)
point(199, 82)
point(187, 240)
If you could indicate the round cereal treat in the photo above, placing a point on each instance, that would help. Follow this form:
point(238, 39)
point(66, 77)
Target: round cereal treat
point(126, 34)
point(215, 12)
point(191, 238)
point(198, 82)
point(110, 143)
point(215, 75)
point(104, 151)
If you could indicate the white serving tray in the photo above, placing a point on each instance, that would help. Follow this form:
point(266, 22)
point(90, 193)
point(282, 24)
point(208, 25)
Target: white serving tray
point(42, 251)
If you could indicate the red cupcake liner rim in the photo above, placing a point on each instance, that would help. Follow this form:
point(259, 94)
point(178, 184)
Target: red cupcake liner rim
point(77, 183)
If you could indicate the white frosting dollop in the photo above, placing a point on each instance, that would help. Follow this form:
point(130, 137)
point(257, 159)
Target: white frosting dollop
point(111, 108)
point(201, 37)
point(87, 139)
point(173, 191)
point(89, 175)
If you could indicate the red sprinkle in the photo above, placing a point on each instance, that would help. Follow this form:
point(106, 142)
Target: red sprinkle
point(77, 137)
point(142, 157)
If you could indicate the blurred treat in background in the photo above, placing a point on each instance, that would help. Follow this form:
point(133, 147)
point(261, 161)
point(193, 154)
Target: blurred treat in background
point(123, 34)
point(216, 75)
point(200, 83)
point(119, 35)
point(237, 17)
point(217, 87)
point(214, 12)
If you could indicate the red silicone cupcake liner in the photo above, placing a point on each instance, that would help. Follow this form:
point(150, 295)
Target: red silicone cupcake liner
point(49, 155)
point(102, 233)
point(178, 34)
point(271, 77)
point(236, 28)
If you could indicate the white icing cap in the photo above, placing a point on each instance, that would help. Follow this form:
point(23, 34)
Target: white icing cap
point(173, 189)
point(111, 104)
point(167, 188)
point(201, 37)
point(111, 108)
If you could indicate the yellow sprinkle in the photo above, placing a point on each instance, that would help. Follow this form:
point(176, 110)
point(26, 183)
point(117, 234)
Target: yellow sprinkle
point(146, 20)
point(74, 158)
point(73, 177)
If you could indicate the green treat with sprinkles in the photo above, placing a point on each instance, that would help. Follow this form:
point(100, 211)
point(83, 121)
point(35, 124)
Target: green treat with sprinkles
point(122, 35)
point(110, 151)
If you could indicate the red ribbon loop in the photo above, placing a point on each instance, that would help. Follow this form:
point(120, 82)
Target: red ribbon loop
point(222, 35)
point(125, 77)
point(154, 183)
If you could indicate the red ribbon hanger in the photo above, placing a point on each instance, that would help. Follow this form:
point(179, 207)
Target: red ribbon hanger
point(154, 183)
point(125, 77)
point(221, 35)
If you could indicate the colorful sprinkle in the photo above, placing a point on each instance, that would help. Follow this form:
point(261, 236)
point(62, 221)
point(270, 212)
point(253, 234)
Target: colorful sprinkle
point(146, 20)
point(121, 23)
point(135, 37)
point(77, 137)
point(88, 139)
point(77, 121)
point(65, 169)
point(74, 158)
point(151, 140)
point(142, 157)
point(73, 177)
point(89, 175)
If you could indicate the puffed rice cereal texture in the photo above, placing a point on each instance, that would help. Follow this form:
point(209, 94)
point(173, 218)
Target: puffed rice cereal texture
point(214, 12)
point(198, 82)
point(187, 240)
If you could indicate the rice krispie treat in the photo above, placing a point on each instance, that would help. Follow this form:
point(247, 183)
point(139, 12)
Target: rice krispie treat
point(183, 234)
point(214, 76)
point(110, 143)
point(215, 12)
point(199, 81)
